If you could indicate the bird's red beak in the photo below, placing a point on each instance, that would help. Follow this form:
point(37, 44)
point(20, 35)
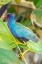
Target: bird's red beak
point(5, 16)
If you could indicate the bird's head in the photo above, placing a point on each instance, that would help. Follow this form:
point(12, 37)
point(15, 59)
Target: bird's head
point(9, 16)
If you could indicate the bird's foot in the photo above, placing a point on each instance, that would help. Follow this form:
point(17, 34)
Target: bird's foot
point(21, 55)
point(24, 43)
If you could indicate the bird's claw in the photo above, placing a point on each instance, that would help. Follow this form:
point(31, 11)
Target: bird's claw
point(21, 55)
point(24, 43)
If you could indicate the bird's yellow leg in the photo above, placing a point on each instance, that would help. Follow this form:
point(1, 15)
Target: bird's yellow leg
point(22, 54)
point(26, 51)
point(18, 42)
point(24, 43)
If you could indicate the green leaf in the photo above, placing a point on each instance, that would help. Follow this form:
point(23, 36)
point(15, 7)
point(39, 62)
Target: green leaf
point(36, 17)
point(3, 2)
point(35, 47)
point(23, 46)
point(9, 57)
point(37, 3)
point(11, 9)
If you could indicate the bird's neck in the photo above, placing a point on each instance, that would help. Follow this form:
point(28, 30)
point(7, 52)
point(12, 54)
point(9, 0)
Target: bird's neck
point(11, 22)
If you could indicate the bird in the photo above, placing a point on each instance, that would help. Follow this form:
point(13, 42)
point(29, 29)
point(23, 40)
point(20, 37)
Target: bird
point(19, 31)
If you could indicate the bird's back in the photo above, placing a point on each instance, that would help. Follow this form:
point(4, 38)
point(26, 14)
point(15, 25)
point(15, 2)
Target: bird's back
point(21, 31)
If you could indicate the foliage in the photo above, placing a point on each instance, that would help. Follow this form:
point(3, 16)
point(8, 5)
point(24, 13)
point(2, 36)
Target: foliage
point(10, 9)
point(9, 57)
point(36, 17)
point(8, 42)
point(37, 3)
point(5, 36)
point(3, 2)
